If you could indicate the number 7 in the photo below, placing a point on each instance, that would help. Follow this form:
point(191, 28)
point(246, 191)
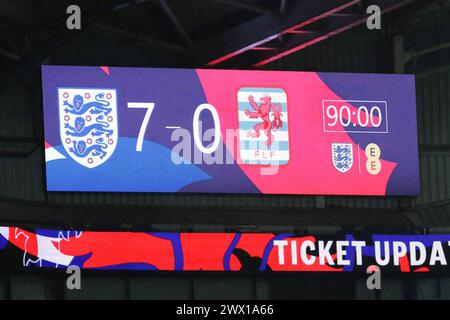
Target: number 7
point(142, 105)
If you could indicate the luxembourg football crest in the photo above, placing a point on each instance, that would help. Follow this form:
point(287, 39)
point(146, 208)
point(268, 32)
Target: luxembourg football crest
point(263, 126)
point(88, 124)
point(342, 154)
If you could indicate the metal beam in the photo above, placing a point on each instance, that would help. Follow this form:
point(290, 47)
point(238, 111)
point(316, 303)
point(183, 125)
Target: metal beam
point(248, 6)
point(178, 26)
point(266, 28)
point(283, 7)
point(129, 4)
point(264, 49)
point(292, 39)
point(336, 24)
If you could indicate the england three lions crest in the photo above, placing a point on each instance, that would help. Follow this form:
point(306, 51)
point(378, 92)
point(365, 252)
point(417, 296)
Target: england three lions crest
point(342, 154)
point(88, 124)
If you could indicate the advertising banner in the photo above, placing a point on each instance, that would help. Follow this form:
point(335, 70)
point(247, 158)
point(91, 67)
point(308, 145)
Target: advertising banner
point(113, 129)
point(252, 252)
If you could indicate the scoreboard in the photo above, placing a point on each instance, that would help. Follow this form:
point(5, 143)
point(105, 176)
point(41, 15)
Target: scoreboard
point(111, 129)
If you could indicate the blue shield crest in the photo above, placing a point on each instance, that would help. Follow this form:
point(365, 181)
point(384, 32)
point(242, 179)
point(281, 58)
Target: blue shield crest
point(342, 154)
point(88, 124)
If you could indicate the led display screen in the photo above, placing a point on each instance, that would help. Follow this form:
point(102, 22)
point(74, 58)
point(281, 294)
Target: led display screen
point(113, 129)
point(256, 252)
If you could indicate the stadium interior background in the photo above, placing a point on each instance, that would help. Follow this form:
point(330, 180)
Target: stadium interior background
point(414, 38)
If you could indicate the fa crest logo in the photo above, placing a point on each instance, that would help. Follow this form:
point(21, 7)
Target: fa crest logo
point(88, 124)
point(342, 154)
point(263, 126)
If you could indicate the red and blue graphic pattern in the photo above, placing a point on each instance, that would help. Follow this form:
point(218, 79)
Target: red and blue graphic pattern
point(252, 252)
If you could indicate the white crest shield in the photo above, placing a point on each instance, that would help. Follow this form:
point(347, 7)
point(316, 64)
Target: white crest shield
point(342, 154)
point(88, 124)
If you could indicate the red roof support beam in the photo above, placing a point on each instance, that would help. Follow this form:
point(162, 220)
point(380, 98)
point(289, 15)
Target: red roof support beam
point(349, 22)
point(265, 28)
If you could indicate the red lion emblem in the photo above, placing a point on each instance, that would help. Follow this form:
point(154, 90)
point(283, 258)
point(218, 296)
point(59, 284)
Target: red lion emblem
point(263, 111)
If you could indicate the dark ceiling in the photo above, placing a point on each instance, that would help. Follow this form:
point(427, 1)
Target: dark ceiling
point(220, 33)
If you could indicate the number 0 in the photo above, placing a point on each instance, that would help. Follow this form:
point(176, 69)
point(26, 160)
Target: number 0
point(196, 127)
